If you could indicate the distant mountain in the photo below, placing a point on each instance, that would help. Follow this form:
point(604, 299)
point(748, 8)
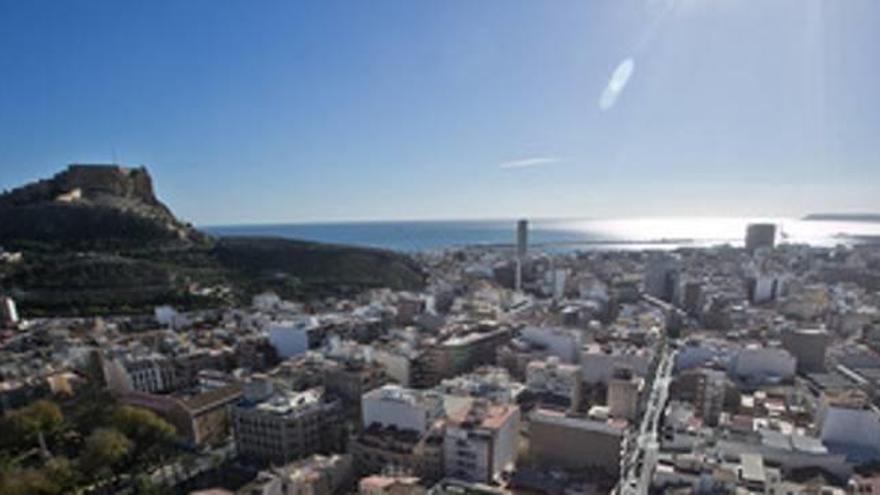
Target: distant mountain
point(844, 217)
point(96, 240)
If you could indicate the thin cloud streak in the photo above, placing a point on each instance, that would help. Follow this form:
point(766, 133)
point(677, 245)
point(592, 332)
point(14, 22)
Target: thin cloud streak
point(529, 162)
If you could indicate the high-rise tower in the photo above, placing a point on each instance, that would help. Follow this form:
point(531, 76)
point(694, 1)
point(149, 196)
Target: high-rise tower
point(522, 245)
point(760, 235)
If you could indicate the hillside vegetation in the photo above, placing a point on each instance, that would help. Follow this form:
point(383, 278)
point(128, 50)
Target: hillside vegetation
point(96, 241)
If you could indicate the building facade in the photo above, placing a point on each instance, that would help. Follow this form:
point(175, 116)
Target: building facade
point(481, 442)
point(280, 427)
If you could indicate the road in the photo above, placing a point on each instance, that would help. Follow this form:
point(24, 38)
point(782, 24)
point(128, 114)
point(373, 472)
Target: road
point(641, 456)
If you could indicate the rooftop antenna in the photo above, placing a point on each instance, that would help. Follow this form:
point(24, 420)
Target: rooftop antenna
point(113, 152)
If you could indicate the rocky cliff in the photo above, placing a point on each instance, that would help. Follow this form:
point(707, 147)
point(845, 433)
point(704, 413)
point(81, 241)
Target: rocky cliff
point(87, 203)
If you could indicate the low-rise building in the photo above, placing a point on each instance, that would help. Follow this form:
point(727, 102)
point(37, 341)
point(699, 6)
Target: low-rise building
point(281, 426)
point(402, 430)
point(291, 338)
point(564, 343)
point(379, 484)
point(377, 449)
point(401, 408)
point(555, 382)
point(350, 380)
point(144, 372)
point(487, 382)
point(200, 419)
point(756, 364)
point(598, 362)
point(315, 475)
point(568, 442)
point(850, 424)
point(481, 441)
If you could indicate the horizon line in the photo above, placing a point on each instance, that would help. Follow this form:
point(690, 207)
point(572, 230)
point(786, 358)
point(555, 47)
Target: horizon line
point(516, 218)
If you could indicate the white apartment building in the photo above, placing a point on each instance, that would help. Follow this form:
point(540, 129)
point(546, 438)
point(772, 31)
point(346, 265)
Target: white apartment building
point(402, 408)
point(291, 338)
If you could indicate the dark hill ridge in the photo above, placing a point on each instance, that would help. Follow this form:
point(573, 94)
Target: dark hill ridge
point(88, 204)
point(96, 240)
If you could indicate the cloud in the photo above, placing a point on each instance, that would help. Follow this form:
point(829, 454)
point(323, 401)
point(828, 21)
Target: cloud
point(530, 162)
point(616, 84)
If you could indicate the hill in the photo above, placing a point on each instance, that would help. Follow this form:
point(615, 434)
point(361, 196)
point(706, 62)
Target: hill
point(91, 205)
point(96, 240)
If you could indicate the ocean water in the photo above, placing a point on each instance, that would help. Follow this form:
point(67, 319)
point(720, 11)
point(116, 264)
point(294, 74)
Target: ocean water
point(635, 233)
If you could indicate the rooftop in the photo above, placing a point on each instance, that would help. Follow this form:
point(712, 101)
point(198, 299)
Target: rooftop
point(283, 403)
point(611, 426)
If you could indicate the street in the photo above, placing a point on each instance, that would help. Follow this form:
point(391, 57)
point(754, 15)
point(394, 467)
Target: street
point(641, 457)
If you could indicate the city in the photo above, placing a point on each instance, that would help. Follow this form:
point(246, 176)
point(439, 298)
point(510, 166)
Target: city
point(750, 369)
point(439, 247)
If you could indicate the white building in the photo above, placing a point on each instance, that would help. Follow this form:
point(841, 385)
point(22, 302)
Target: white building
point(487, 382)
point(555, 282)
point(291, 338)
point(481, 442)
point(168, 317)
point(405, 409)
point(266, 301)
point(764, 288)
point(151, 373)
point(564, 343)
point(8, 311)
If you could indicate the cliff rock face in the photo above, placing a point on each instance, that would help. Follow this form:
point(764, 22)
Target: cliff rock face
point(86, 203)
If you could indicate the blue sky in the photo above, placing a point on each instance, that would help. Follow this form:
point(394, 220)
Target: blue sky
point(308, 111)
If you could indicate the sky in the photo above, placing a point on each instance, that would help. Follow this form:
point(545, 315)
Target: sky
point(290, 111)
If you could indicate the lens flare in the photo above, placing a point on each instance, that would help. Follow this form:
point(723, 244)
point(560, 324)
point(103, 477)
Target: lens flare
point(616, 84)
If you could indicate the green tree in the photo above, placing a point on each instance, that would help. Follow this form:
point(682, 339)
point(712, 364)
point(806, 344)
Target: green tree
point(105, 448)
point(150, 433)
point(143, 485)
point(17, 481)
point(36, 421)
point(59, 470)
point(93, 408)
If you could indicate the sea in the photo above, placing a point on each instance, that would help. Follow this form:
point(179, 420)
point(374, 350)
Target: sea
point(563, 234)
